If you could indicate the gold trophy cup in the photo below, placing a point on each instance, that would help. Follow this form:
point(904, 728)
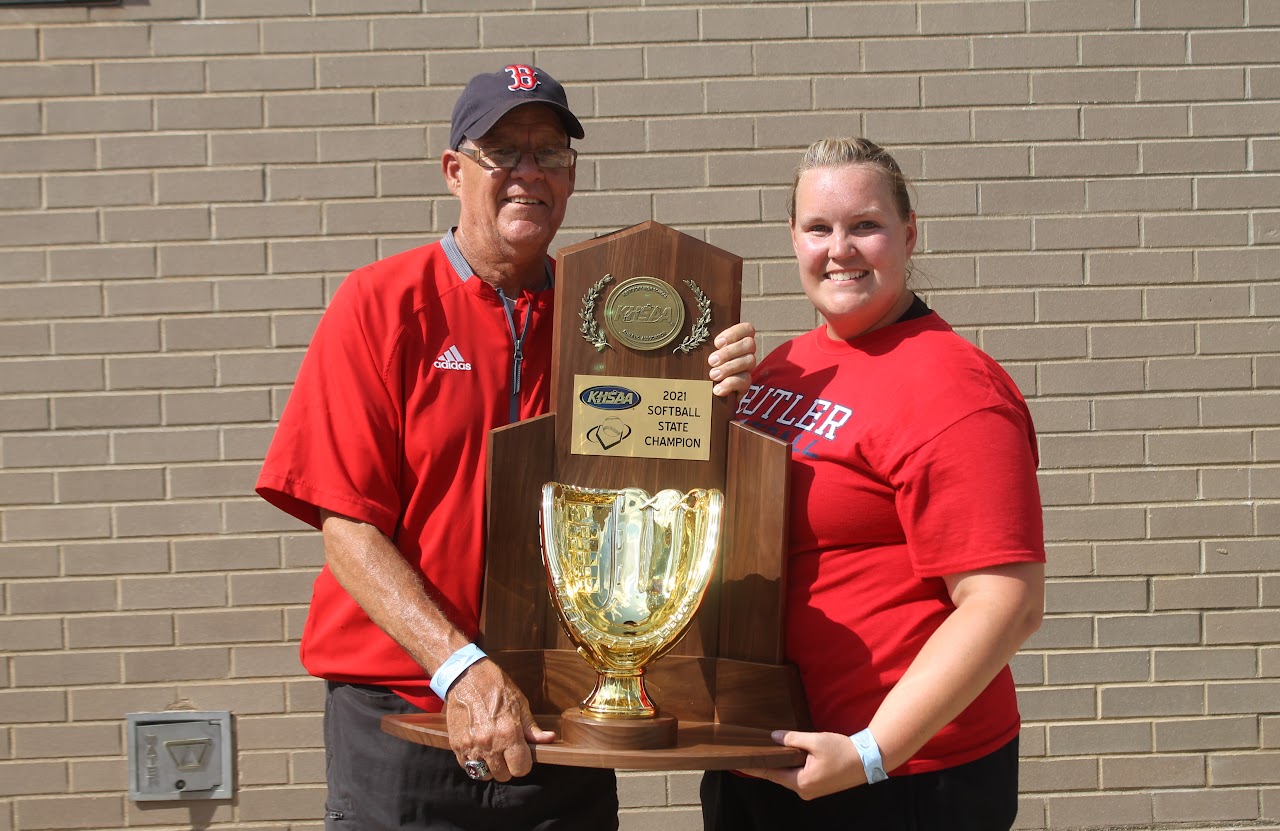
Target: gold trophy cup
point(627, 573)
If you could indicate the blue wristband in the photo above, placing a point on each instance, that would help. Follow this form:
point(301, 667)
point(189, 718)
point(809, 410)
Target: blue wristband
point(869, 751)
point(454, 666)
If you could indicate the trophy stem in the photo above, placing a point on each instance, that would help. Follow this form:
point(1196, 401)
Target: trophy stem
point(620, 694)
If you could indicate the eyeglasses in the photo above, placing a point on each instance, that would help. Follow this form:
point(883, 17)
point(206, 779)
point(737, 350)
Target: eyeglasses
point(507, 158)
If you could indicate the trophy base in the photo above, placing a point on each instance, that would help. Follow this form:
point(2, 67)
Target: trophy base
point(699, 745)
point(582, 729)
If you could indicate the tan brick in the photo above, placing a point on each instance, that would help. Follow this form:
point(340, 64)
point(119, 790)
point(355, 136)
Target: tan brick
point(1141, 267)
point(1211, 806)
point(1099, 739)
point(280, 366)
point(363, 145)
point(246, 442)
point(272, 732)
point(916, 54)
point(386, 216)
point(1035, 343)
point(115, 558)
point(1139, 194)
point(48, 229)
point(271, 589)
point(271, 804)
point(1148, 772)
point(19, 44)
point(302, 550)
point(30, 634)
point(142, 77)
point(97, 190)
point(106, 337)
point(1145, 121)
point(26, 488)
point(1068, 559)
point(241, 697)
point(266, 661)
point(178, 814)
point(1231, 47)
point(1152, 701)
point(733, 96)
point(186, 592)
point(1256, 191)
point(102, 263)
point(56, 523)
point(97, 116)
point(170, 518)
point(147, 224)
point(21, 193)
point(262, 769)
point(1111, 159)
point(65, 669)
point(724, 169)
point(1148, 630)
point(1096, 595)
point(1252, 265)
point(1069, 232)
point(157, 10)
point(1144, 486)
point(185, 664)
point(284, 147)
point(1084, 86)
point(47, 81)
point(1199, 373)
point(1198, 521)
point(306, 695)
point(25, 339)
point(237, 626)
point(1239, 410)
point(1095, 376)
point(21, 266)
point(31, 706)
point(101, 775)
point(107, 411)
point(1240, 626)
point(1041, 123)
point(547, 28)
point(96, 631)
point(110, 485)
point(1195, 302)
point(1124, 413)
point(1252, 118)
point(1216, 663)
point(204, 38)
point(1227, 769)
point(1098, 667)
point(206, 259)
point(70, 812)
point(52, 375)
point(1047, 775)
point(212, 480)
point(29, 561)
point(1132, 48)
point(1218, 483)
point(251, 8)
point(977, 89)
point(315, 36)
point(1192, 84)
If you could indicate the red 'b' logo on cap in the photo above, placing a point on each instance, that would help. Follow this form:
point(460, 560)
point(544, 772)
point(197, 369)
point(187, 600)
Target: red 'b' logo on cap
point(522, 77)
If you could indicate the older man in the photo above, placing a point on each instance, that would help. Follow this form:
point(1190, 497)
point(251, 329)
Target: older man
point(382, 447)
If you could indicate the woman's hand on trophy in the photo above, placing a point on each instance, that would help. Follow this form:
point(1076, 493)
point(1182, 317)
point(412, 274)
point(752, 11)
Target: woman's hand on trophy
point(833, 764)
point(733, 360)
point(490, 722)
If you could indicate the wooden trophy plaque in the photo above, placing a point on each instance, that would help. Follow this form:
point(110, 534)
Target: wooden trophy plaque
point(724, 685)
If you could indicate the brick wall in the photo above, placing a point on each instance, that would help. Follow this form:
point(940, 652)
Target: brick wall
point(183, 183)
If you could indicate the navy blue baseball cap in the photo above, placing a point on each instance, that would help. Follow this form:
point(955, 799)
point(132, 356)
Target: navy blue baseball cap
point(489, 96)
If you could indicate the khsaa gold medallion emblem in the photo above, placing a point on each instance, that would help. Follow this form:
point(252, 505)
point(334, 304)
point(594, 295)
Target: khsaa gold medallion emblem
point(644, 313)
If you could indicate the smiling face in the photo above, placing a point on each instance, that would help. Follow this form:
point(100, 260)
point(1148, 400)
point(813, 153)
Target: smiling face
point(852, 245)
point(509, 217)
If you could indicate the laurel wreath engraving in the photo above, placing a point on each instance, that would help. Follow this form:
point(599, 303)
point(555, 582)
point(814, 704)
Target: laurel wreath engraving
point(590, 329)
point(701, 326)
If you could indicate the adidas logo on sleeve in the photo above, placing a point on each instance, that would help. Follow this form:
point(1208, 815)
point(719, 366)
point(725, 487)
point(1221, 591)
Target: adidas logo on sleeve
point(452, 359)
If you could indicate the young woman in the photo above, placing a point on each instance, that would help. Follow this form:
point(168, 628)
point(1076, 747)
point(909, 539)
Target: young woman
point(916, 548)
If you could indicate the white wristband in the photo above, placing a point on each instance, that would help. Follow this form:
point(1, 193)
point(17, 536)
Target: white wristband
point(869, 751)
point(453, 666)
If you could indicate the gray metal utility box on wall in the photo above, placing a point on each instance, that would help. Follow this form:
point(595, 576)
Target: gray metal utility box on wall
point(180, 755)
